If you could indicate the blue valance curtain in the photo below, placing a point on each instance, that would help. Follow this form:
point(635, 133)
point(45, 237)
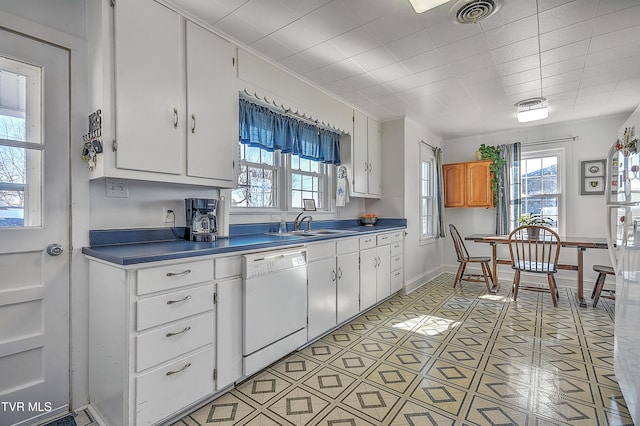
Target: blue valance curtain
point(264, 128)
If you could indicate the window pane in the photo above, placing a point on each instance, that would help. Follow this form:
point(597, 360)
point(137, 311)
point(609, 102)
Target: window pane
point(296, 181)
point(305, 165)
point(253, 154)
point(267, 157)
point(239, 197)
point(307, 183)
point(295, 162)
point(296, 199)
point(20, 168)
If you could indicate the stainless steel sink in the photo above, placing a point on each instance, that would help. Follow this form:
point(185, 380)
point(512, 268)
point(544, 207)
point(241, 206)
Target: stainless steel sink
point(316, 232)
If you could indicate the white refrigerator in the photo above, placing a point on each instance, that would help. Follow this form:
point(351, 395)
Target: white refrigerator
point(622, 199)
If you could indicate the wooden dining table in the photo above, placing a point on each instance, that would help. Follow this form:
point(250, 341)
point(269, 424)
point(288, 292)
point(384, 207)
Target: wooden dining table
point(581, 244)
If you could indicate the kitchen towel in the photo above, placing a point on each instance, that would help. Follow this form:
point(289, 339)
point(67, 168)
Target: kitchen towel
point(342, 187)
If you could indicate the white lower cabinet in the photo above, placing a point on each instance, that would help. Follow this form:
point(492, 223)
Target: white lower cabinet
point(321, 288)
point(229, 331)
point(348, 285)
point(152, 340)
point(381, 267)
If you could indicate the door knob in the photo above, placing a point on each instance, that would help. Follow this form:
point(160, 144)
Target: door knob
point(54, 249)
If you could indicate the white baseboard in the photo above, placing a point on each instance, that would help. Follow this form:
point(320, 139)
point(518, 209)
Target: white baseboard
point(417, 282)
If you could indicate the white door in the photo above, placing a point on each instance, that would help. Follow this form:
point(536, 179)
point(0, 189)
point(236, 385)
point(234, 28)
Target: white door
point(34, 200)
point(348, 303)
point(368, 271)
point(321, 296)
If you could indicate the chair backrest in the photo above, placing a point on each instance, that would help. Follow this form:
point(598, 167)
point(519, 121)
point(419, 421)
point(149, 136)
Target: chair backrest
point(534, 249)
point(461, 250)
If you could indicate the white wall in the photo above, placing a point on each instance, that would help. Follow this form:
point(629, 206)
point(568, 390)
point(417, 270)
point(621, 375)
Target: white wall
point(584, 214)
point(401, 196)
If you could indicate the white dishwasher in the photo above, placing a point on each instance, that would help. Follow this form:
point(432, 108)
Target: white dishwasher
point(274, 306)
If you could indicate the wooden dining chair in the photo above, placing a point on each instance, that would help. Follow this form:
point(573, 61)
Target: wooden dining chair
point(464, 258)
point(535, 249)
point(602, 271)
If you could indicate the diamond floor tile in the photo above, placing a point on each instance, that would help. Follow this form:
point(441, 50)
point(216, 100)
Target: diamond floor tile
point(442, 356)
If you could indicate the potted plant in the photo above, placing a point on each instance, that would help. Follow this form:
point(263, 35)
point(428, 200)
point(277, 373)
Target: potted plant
point(488, 152)
point(534, 219)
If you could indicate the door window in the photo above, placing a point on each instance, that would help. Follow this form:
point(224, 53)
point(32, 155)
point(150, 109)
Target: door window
point(20, 144)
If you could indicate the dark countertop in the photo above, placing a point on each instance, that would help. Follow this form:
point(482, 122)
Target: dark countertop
point(132, 253)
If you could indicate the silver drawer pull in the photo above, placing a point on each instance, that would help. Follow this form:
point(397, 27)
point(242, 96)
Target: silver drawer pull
point(174, 274)
point(169, 373)
point(184, 299)
point(178, 332)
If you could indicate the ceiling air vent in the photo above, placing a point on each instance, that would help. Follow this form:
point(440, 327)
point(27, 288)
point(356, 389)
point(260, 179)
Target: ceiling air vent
point(473, 11)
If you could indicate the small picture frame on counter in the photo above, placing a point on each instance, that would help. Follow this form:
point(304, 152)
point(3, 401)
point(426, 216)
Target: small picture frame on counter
point(592, 175)
point(309, 204)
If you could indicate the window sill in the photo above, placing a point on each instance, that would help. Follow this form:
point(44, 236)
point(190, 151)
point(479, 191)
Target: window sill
point(428, 240)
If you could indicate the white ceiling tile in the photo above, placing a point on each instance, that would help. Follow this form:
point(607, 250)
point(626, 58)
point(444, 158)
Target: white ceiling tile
point(319, 76)
point(551, 4)
point(340, 86)
point(411, 45)
point(511, 11)
point(268, 15)
point(519, 65)
point(562, 67)
point(565, 52)
point(334, 19)
point(523, 87)
point(374, 59)
point(324, 53)
point(472, 63)
point(435, 74)
point(390, 72)
point(562, 78)
point(521, 77)
point(563, 87)
point(360, 81)
point(210, 12)
point(299, 63)
point(625, 18)
point(596, 89)
point(478, 76)
point(356, 41)
point(429, 105)
point(387, 99)
point(626, 37)
point(302, 8)
point(510, 33)
point(424, 61)
point(240, 29)
point(464, 48)
point(514, 98)
point(394, 27)
point(607, 68)
point(272, 48)
point(375, 91)
point(299, 35)
point(599, 80)
point(343, 69)
point(515, 51)
point(607, 7)
point(448, 32)
point(566, 35)
point(485, 89)
point(403, 84)
point(614, 54)
point(567, 14)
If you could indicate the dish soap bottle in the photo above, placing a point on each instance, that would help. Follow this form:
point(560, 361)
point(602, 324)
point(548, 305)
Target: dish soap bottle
point(283, 226)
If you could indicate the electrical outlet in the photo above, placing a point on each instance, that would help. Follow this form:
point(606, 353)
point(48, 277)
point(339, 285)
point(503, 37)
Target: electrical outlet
point(168, 215)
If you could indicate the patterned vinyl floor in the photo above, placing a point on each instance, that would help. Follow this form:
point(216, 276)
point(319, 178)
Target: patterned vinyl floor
point(442, 356)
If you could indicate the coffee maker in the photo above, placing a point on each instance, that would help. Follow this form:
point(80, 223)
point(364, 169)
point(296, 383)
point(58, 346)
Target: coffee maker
point(201, 219)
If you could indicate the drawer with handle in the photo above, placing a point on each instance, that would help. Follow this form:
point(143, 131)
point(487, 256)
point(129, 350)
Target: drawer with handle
point(384, 239)
point(367, 241)
point(172, 306)
point(396, 262)
point(165, 390)
point(173, 276)
point(160, 345)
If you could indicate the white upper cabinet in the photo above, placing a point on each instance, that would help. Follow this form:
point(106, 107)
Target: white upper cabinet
point(176, 102)
point(149, 87)
point(365, 160)
point(210, 65)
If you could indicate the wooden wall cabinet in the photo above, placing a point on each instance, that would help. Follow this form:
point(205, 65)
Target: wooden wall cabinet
point(467, 184)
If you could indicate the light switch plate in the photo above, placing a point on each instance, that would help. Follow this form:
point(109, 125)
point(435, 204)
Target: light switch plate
point(117, 188)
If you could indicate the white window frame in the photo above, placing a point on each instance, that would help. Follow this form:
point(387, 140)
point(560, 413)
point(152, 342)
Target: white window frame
point(282, 167)
point(426, 155)
point(277, 169)
point(528, 154)
point(33, 143)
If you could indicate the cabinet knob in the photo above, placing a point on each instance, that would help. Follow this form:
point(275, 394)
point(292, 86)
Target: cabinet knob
point(175, 118)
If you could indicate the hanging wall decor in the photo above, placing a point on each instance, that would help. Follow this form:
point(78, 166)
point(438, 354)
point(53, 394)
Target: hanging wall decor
point(592, 175)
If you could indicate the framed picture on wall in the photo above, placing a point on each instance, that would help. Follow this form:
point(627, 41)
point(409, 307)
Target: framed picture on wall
point(592, 174)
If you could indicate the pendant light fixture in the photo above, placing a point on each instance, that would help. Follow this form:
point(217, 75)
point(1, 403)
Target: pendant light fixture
point(534, 108)
point(423, 5)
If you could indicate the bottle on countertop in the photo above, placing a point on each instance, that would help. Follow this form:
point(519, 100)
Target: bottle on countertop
point(283, 226)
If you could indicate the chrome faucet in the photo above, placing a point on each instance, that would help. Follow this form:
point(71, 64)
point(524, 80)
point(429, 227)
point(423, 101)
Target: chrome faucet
point(298, 222)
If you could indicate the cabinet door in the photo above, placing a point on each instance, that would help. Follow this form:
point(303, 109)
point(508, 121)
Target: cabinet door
point(321, 297)
point(229, 332)
point(212, 121)
point(479, 193)
point(368, 272)
point(374, 148)
point(360, 160)
point(348, 287)
point(149, 87)
point(454, 182)
point(383, 273)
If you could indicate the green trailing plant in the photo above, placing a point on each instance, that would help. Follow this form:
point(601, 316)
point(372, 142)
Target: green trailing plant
point(489, 152)
point(534, 219)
